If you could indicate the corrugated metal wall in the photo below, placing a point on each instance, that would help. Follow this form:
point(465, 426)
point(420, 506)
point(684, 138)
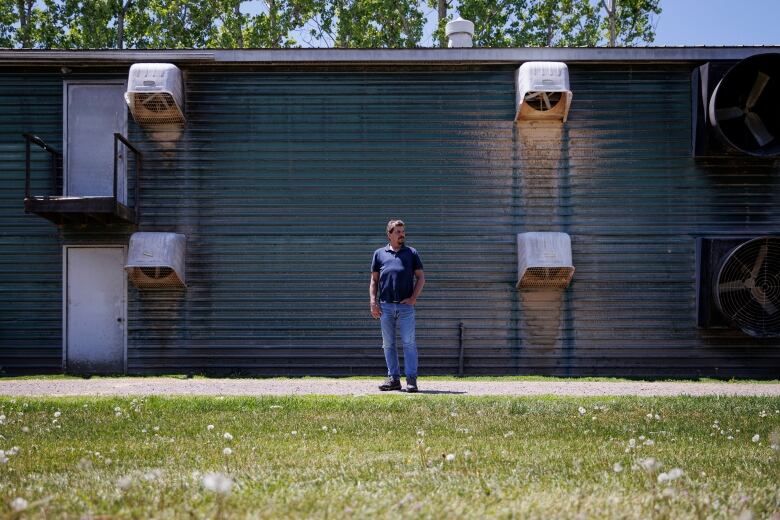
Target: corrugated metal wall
point(30, 256)
point(283, 182)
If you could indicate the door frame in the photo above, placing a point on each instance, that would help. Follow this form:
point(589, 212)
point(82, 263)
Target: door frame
point(65, 84)
point(65, 300)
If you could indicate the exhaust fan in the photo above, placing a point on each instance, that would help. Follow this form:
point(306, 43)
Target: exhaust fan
point(543, 91)
point(156, 260)
point(544, 260)
point(737, 107)
point(155, 94)
point(739, 285)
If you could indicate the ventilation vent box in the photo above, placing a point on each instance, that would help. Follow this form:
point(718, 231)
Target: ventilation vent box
point(544, 260)
point(735, 107)
point(156, 260)
point(738, 285)
point(543, 91)
point(155, 94)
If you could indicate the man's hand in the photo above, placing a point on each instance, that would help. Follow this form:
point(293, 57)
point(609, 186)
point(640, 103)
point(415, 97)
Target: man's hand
point(409, 301)
point(376, 311)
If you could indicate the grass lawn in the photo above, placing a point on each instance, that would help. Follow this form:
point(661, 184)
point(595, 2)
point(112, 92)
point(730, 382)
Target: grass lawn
point(390, 456)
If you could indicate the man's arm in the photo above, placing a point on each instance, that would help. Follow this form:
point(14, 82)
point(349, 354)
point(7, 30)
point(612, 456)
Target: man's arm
point(376, 311)
point(418, 287)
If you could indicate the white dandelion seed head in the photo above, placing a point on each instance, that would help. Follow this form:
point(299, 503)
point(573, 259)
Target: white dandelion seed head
point(57, 413)
point(218, 483)
point(467, 454)
point(663, 477)
point(25, 429)
point(650, 464)
point(649, 442)
point(450, 457)
point(19, 504)
point(124, 483)
point(649, 416)
point(730, 437)
point(509, 434)
point(582, 410)
point(668, 492)
point(210, 427)
point(631, 443)
point(641, 437)
point(118, 414)
point(294, 432)
point(756, 438)
point(227, 451)
point(117, 409)
point(675, 473)
point(324, 428)
point(420, 433)
point(657, 417)
point(617, 467)
point(762, 413)
point(153, 474)
point(333, 430)
point(227, 436)
point(156, 428)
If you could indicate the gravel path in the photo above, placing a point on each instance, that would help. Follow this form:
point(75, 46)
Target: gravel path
point(172, 386)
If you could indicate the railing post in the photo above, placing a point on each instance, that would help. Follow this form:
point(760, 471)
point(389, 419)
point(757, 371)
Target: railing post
point(138, 160)
point(116, 147)
point(26, 167)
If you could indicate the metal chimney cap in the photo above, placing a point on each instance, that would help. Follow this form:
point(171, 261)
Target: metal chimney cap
point(459, 25)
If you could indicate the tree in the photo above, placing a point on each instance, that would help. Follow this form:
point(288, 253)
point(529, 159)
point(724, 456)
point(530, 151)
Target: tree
point(629, 21)
point(369, 23)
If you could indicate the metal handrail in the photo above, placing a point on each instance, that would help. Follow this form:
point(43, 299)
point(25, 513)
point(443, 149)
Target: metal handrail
point(56, 158)
point(139, 157)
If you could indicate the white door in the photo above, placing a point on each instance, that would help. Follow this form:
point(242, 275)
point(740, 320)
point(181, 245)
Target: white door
point(93, 112)
point(95, 310)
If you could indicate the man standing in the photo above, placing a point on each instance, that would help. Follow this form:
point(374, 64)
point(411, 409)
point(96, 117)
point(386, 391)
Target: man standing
point(394, 268)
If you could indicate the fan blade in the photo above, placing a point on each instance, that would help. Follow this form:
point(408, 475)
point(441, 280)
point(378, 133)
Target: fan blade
point(759, 261)
point(532, 95)
point(763, 301)
point(724, 114)
point(758, 87)
point(546, 99)
point(735, 285)
point(757, 128)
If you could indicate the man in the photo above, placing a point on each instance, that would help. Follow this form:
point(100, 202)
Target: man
point(394, 269)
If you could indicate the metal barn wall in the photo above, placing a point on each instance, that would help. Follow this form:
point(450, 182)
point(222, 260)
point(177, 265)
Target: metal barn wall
point(30, 257)
point(284, 179)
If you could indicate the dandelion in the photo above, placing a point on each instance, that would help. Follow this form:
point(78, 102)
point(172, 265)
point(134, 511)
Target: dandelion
point(227, 436)
point(453, 414)
point(57, 413)
point(617, 467)
point(25, 429)
point(218, 483)
point(13, 451)
point(118, 414)
point(333, 430)
point(117, 409)
point(294, 432)
point(509, 434)
point(2, 419)
point(649, 416)
point(450, 457)
point(762, 414)
point(676, 473)
point(153, 475)
point(657, 417)
point(467, 454)
point(420, 433)
point(227, 452)
point(632, 443)
point(156, 428)
point(756, 438)
point(582, 410)
point(124, 483)
point(730, 437)
point(210, 427)
point(668, 492)
point(19, 504)
point(324, 428)
point(649, 442)
point(650, 464)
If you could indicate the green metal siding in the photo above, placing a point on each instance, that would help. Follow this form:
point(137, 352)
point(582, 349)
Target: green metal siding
point(284, 179)
point(30, 251)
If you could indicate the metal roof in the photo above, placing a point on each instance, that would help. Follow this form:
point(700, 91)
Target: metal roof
point(419, 56)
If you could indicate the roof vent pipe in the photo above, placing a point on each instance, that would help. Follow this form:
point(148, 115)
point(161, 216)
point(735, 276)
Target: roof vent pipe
point(460, 32)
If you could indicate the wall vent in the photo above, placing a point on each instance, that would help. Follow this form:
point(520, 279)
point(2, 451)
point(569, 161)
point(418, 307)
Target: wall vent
point(156, 260)
point(736, 107)
point(544, 260)
point(155, 94)
point(543, 91)
point(739, 284)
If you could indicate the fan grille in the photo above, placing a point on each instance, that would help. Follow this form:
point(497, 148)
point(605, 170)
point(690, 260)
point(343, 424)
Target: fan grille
point(748, 287)
point(156, 108)
point(157, 277)
point(546, 277)
point(539, 100)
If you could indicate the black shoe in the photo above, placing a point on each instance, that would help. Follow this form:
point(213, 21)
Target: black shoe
point(411, 385)
point(390, 384)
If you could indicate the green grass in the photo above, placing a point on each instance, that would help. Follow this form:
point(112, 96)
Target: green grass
point(386, 456)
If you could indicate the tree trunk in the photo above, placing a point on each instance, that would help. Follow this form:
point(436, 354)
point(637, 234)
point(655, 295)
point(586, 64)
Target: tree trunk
point(441, 9)
point(240, 28)
point(120, 24)
point(275, 43)
point(24, 29)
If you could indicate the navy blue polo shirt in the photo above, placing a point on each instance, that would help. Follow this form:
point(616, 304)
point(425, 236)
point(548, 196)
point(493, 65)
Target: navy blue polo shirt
point(396, 272)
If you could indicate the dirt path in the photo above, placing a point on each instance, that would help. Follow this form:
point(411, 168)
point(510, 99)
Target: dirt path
point(172, 386)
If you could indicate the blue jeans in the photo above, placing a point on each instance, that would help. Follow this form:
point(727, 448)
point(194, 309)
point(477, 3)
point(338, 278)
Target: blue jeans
point(403, 315)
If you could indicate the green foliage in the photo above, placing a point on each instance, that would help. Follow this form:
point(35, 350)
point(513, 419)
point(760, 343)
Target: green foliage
point(79, 24)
